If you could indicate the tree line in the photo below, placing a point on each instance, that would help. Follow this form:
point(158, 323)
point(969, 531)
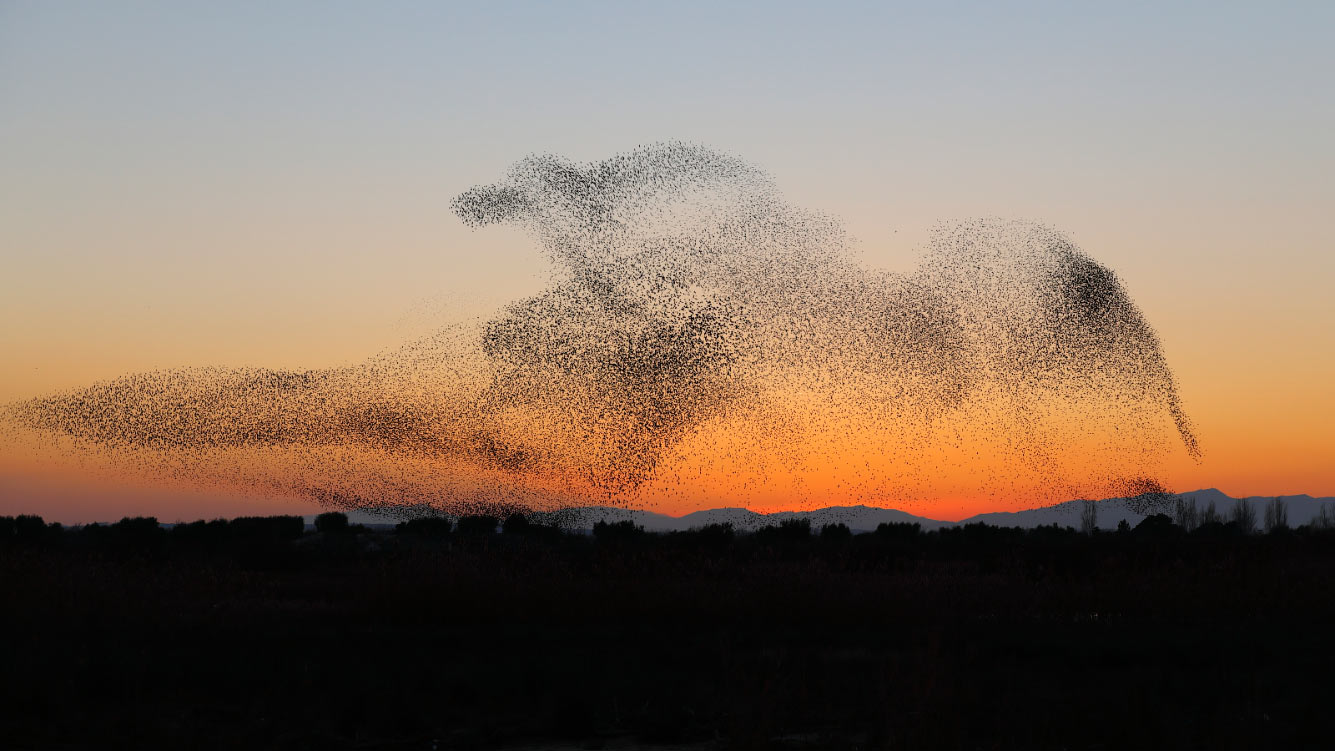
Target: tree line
point(1186, 521)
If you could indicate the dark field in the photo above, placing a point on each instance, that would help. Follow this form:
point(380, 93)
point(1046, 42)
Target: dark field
point(254, 635)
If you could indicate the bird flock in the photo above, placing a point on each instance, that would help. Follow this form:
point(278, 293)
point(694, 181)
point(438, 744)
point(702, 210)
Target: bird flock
point(701, 340)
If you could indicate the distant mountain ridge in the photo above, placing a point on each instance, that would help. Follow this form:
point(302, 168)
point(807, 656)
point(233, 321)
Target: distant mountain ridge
point(861, 518)
point(1301, 510)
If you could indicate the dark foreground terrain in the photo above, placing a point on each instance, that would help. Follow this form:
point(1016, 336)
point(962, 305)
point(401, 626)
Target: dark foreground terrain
point(255, 634)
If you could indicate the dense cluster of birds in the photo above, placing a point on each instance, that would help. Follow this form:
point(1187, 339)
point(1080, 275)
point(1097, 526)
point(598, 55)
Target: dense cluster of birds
point(700, 339)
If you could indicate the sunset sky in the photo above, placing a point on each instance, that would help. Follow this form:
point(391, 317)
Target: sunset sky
point(268, 184)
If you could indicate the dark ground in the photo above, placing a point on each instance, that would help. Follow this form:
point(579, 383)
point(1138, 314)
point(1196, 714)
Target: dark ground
point(224, 637)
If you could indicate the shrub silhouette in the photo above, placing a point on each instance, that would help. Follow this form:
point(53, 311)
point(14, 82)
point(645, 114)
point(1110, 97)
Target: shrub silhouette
point(1157, 526)
point(1217, 529)
point(434, 527)
point(258, 542)
point(530, 530)
point(515, 524)
point(1053, 532)
point(268, 527)
point(980, 535)
point(898, 530)
point(30, 528)
point(835, 533)
point(478, 525)
point(622, 531)
point(331, 522)
point(94, 534)
point(715, 535)
point(138, 534)
point(204, 534)
point(786, 532)
point(138, 526)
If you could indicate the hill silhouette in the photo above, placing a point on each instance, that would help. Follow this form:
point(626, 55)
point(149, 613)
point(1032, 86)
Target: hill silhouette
point(1111, 511)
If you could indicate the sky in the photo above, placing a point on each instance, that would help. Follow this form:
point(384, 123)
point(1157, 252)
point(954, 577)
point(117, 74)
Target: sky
point(268, 184)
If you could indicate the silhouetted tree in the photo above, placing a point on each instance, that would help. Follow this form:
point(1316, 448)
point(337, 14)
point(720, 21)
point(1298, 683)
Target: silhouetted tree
point(1276, 516)
point(331, 522)
point(1244, 516)
point(1089, 518)
point(714, 535)
point(1210, 515)
point(28, 528)
point(835, 533)
point(1123, 528)
point(94, 534)
point(1185, 514)
point(1325, 517)
point(138, 534)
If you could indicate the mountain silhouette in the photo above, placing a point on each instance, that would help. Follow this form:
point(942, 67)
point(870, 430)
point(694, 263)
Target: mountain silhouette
point(1302, 509)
